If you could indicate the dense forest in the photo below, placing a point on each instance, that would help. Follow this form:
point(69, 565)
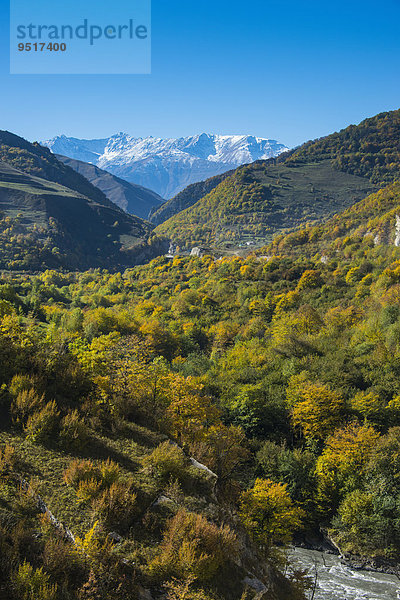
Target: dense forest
point(166, 430)
point(370, 149)
point(120, 471)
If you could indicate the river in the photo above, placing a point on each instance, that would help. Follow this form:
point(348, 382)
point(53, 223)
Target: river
point(336, 581)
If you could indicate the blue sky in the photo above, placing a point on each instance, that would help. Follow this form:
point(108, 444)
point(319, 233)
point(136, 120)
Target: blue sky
point(286, 70)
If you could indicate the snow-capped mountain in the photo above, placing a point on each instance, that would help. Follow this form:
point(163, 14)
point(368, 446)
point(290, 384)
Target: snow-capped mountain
point(167, 166)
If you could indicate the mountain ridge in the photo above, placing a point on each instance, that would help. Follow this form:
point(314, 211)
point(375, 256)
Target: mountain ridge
point(132, 198)
point(309, 183)
point(186, 198)
point(52, 217)
point(166, 166)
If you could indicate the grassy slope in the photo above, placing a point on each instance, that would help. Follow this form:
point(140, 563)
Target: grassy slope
point(73, 216)
point(313, 181)
point(45, 465)
point(373, 218)
point(259, 200)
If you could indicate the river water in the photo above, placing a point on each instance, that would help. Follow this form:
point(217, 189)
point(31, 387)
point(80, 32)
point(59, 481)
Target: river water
point(336, 581)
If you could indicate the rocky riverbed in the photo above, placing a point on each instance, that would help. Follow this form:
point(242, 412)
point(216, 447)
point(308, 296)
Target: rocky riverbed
point(335, 579)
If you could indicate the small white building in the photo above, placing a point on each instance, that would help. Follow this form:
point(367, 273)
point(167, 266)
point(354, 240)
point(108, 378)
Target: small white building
point(199, 251)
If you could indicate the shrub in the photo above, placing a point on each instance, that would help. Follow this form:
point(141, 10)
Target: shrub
point(193, 546)
point(106, 473)
point(110, 472)
point(90, 589)
point(101, 482)
point(25, 404)
point(42, 426)
point(81, 470)
point(20, 383)
point(61, 561)
point(166, 461)
point(116, 505)
point(94, 545)
point(33, 584)
point(74, 433)
point(88, 490)
point(181, 590)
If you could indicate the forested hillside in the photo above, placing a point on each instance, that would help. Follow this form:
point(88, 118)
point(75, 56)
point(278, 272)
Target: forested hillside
point(311, 182)
point(186, 198)
point(259, 200)
point(51, 216)
point(377, 219)
point(184, 419)
point(370, 149)
point(140, 476)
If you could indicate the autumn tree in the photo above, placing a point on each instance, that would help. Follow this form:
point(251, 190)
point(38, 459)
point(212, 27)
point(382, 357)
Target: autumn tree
point(369, 406)
point(315, 408)
point(344, 462)
point(269, 514)
point(193, 546)
point(190, 412)
point(223, 449)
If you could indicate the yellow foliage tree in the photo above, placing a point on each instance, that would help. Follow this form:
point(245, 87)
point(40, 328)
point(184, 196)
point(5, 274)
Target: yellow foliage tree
point(309, 279)
point(189, 412)
point(176, 404)
point(368, 405)
point(268, 513)
point(93, 355)
point(303, 323)
point(343, 461)
point(315, 408)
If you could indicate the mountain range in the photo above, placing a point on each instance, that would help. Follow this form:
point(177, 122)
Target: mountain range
point(166, 166)
point(53, 213)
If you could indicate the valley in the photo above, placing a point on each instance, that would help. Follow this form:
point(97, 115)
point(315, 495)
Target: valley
point(186, 416)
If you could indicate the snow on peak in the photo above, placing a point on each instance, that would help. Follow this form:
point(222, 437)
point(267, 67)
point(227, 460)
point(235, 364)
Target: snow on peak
point(167, 165)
